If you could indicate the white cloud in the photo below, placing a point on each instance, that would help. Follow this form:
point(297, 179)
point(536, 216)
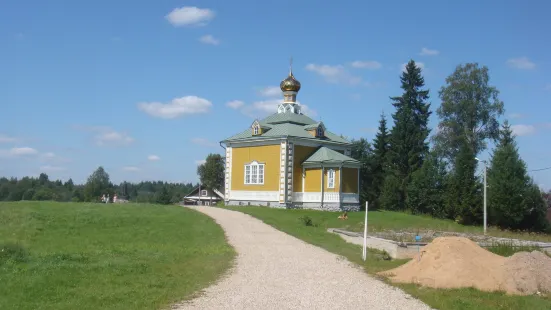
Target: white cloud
point(49, 168)
point(366, 64)
point(200, 162)
point(177, 107)
point(203, 142)
point(548, 87)
point(107, 136)
point(523, 130)
point(428, 52)
point(235, 104)
point(209, 39)
point(418, 64)
point(521, 63)
point(334, 74)
point(190, 16)
point(270, 91)
point(153, 158)
point(6, 139)
point(131, 168)
point(22, 151)
point(48, 155)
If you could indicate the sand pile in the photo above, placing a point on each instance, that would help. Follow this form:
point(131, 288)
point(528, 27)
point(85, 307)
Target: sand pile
point(455, 262)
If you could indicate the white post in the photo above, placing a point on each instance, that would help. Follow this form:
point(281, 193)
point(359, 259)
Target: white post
point(485, 169)
point(364, 253)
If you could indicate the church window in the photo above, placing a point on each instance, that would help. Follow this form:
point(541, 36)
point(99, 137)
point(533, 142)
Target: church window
point(319, 131)
point(331, 178)
point(254, 173)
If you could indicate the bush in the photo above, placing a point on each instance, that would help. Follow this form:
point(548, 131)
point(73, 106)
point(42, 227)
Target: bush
point(12, 251)
point(307, 221)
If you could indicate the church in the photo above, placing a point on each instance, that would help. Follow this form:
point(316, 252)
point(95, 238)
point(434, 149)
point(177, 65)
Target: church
point(288, 160)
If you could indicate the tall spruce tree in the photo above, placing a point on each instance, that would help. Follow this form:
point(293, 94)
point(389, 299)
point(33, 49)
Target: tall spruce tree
point(427, 189)
point(380, 160)
point(464, 191)
point(408, 137)
point(513, 202)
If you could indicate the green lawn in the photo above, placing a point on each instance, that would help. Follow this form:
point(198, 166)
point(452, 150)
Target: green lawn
point(289, 221)
point(97, 256)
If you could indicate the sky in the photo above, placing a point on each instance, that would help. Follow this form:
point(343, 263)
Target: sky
point(147, 89)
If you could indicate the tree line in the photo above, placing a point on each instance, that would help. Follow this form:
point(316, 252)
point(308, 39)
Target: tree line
point(405, 168)
point(97, 185)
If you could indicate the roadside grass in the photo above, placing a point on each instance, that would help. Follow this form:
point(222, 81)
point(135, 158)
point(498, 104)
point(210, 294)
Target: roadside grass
point(293, 223)
point(97, 256)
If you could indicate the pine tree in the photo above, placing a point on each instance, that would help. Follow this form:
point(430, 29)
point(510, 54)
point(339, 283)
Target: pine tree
point(512, 196)
point(427, 189)
point(464, 195)
point(408, 137)
point(380, 160)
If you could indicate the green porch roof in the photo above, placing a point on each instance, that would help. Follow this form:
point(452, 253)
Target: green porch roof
point(326, 155)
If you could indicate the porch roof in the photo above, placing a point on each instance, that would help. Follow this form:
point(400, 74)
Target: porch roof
point(327, 157)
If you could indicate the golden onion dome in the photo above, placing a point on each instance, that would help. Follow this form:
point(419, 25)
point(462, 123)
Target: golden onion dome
point(290, 83)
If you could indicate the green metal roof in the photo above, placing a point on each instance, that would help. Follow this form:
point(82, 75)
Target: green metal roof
point(326, 155)
point(283, 130)
point(288, 117)
point(312, 126)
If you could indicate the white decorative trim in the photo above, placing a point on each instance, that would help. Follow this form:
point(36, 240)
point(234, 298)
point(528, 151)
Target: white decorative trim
point(332, 145)
point(228, 170)
point(329, 197)
point(329, 171)
point(296, 140)
point(255, 195)
point(283, 172)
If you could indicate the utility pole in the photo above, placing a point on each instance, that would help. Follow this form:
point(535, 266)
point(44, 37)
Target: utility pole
point(485, 186)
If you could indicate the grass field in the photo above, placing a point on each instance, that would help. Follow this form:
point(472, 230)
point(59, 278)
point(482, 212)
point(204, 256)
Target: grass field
point(289, 222)
point(96, 256)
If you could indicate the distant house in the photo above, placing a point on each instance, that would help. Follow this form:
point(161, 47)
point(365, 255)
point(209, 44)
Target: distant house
point(201, 195)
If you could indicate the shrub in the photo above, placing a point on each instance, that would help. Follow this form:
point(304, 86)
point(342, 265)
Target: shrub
point(306, 220)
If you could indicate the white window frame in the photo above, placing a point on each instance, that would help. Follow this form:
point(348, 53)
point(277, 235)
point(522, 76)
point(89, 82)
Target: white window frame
point(203, 192)
point(255, 174)
point(331, 178)
point(255, 130)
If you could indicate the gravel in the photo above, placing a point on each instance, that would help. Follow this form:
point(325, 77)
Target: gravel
point(276, 271)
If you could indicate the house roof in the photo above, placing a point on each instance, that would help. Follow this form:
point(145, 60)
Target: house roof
point(327, 156)
point(196, 189)
point(286, 124)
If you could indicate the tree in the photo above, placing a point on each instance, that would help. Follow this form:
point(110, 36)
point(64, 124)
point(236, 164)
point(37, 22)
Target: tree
point(463, 197)
point(163, 196)
point(408, 137)
point(469, 111)
point(380, 160)
point(211, 173)
point(97, 185)
point(511, 196)
point(428, 188)
point(361, 151)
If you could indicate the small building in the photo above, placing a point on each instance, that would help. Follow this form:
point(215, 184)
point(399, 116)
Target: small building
point(201, 195)
point(289, 160)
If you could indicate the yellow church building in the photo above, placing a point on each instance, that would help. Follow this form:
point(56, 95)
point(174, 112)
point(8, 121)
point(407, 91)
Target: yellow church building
point(288, 160)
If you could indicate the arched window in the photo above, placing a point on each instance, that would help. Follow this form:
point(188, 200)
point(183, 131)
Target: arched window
point(319, 132)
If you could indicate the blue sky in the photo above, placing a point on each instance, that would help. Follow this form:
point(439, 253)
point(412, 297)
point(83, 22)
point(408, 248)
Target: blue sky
point(148, 88)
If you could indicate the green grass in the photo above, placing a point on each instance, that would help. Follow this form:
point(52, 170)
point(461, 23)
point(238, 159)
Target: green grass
point(397, 221)
point(97, 256)
point(289, 221)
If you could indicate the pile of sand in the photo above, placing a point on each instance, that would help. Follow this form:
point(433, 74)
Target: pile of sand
point(455, 262)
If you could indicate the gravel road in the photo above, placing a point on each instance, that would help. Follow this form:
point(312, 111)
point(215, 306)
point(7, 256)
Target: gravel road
point(276, 271)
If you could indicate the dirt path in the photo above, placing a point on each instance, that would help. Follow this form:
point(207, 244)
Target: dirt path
point(276, 271)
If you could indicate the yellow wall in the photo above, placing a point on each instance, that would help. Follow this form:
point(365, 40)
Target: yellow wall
point(313, 180)
point(336, 187)
point(350, 180)
point(268, 154)
point(301, 153)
